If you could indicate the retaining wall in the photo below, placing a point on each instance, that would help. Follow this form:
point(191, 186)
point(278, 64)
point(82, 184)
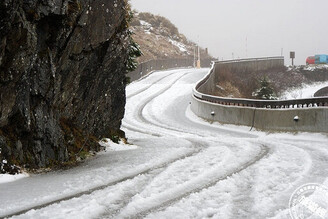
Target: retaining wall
point(312, 113)
point(245, 66)
point(310, 119)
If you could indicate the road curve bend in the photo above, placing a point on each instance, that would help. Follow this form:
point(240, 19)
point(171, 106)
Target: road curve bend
point(185, 167)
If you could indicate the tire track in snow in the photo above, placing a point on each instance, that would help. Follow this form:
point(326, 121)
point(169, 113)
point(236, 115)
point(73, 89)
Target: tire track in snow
point(141, 108)
point(169, 201)
point(198, 149)
point(319, 159)
point(150, 98)
point(149, 86)
point(165, 202)
point(264, 152)
point(314, 159)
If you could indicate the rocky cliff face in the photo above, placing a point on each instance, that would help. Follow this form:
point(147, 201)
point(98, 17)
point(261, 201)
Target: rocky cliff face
point(62, 77)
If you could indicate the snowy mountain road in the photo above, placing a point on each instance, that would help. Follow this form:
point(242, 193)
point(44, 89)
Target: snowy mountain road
point(178, 166)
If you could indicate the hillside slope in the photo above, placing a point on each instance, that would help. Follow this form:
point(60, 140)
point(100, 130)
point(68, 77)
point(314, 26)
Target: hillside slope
point(243, 85)
point(160, 39)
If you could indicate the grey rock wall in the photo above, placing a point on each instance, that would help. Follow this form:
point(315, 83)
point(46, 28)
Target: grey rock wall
point(62, 77)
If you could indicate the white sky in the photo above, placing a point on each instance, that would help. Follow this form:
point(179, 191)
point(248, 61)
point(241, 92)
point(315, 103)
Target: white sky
point(268, 25)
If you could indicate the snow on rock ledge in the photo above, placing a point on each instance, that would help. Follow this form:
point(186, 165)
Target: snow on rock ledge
point(112, 146)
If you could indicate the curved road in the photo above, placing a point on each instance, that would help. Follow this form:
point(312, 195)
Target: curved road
point(184, 167)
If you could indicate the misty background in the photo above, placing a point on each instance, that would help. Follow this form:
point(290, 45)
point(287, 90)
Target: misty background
point(248, 28)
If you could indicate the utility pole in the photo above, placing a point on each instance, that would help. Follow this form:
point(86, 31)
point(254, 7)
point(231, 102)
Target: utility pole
point(194, 57)
point(198, 61)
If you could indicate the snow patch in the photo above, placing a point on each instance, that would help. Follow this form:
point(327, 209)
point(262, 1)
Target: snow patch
point(315, 67)
point(6, 178)
point(146, 26)
point(304, 91)
point(112, 146)
point(145, 23)
point(181, 46)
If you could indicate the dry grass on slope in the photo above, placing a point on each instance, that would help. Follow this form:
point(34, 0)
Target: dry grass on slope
point(243, 84)
point(160, 39)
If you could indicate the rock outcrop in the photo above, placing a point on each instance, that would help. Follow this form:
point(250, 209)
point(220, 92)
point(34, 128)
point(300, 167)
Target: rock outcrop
point(62, 77)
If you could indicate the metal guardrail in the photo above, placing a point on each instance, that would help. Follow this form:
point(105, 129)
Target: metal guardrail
point(273, 104)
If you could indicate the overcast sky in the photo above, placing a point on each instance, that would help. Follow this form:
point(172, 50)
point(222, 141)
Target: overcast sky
point(268, 25)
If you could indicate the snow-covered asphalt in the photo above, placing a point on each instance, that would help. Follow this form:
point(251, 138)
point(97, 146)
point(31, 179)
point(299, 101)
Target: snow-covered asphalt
point(179, 167)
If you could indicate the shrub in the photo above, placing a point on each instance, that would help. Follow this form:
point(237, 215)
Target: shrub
point(265, 91)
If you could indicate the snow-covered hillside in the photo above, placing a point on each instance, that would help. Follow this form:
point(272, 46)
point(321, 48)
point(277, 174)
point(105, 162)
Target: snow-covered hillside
point(303, 91)
point(313, 78)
